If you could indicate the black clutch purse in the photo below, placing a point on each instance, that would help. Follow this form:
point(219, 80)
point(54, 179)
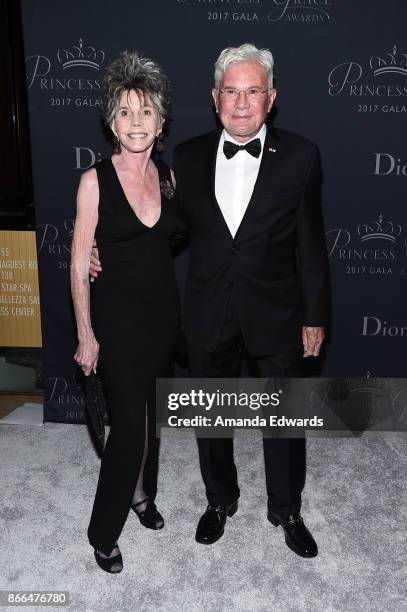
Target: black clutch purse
point(95, 408)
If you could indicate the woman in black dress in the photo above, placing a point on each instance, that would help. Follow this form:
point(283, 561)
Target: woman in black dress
point(127, 203)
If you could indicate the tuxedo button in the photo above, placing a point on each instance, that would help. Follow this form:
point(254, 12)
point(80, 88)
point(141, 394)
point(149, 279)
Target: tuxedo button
point(235, 250)
point(229, 283)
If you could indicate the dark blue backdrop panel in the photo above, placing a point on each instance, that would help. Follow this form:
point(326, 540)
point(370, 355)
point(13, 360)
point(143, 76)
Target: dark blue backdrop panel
point(341, 75)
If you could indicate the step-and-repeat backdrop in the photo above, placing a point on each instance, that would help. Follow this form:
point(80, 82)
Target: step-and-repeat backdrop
point(341, 75)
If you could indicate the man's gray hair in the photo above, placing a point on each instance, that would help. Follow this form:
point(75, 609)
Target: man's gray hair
point(245, 53)
point(130, 71)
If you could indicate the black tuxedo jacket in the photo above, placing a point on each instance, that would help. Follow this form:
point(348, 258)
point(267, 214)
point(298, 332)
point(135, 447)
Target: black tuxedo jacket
point(277, 262)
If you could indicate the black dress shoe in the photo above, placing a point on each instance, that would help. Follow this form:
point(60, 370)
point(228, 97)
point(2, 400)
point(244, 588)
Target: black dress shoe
point(150, 517)
point(297, 536)
point(212, 523)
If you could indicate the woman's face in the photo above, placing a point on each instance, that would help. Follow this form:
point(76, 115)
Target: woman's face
point(136, 122)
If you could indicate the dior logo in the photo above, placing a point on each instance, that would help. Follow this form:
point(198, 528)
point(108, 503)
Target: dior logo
point(85, 158)
point(373, 326)
point(386, 164)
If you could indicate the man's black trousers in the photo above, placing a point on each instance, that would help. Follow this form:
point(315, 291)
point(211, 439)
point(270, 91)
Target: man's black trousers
point(285, 458)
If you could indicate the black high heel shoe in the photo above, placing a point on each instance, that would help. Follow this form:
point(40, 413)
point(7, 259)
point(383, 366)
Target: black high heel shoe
point(150, 517)
point(107, 564)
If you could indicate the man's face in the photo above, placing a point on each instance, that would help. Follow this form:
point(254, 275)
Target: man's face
point(242, 116)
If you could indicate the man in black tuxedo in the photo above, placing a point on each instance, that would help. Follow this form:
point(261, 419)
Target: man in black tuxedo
point(258, 276)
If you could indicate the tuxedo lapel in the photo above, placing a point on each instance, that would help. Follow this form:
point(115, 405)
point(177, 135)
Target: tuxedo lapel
point(211, 181)
point(266, 176)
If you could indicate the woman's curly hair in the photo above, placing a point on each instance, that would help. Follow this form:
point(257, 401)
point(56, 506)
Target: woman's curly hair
point(132, 71)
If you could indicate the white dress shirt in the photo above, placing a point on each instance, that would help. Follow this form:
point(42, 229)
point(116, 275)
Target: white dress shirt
point(235, 179)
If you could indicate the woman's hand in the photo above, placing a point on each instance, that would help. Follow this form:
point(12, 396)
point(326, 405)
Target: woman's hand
point(94, 265)
point(87, 355)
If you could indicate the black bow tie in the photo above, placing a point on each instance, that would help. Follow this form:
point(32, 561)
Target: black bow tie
point(253, 147)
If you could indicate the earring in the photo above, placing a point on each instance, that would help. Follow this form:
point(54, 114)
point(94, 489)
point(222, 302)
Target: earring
point(159, 142)
point(116, 145)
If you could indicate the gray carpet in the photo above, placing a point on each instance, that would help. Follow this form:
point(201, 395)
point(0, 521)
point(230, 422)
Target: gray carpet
point(355, 503)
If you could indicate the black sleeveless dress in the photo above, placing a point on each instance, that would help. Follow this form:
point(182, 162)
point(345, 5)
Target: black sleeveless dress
point(136, 314)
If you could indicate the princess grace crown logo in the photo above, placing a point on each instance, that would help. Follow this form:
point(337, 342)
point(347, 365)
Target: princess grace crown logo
point(390, 63)
point(80, 55)
point(379, 229)
point(381, 81)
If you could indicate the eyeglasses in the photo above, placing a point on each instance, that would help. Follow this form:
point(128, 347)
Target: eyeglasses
point(254, 93)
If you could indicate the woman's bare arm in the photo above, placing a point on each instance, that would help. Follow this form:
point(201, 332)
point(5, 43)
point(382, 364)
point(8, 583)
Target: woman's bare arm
point(85, 224)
